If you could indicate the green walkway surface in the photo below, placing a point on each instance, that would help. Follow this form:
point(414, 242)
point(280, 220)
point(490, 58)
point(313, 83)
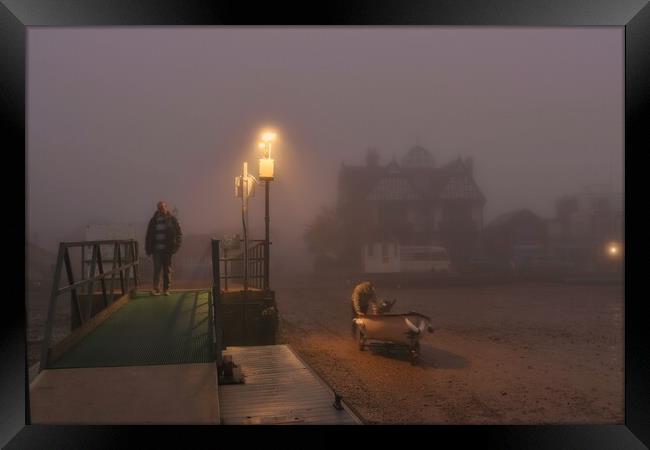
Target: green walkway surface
point(148, 330)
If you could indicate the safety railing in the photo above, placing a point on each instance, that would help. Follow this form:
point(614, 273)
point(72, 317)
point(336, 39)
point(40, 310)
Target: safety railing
point(124, 270)
point(250, 271)
point(230, 263)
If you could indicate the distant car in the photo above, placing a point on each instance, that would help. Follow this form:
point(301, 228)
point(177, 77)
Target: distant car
point(423, 259)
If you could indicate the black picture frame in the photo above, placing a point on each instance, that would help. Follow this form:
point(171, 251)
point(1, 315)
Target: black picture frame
point(16, 15)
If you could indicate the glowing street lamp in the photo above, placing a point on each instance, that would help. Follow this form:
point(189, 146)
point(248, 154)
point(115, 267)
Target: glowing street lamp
point(613, 249)
point(266, 163)
point(266, 174)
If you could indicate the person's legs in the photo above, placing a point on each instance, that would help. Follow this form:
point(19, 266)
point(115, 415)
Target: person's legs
point(157, 267)
point(167, 271)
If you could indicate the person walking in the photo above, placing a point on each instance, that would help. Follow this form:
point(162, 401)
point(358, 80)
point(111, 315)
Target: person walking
point(163, 239)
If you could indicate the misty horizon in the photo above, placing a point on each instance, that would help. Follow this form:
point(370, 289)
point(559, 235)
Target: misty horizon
point(119, 118)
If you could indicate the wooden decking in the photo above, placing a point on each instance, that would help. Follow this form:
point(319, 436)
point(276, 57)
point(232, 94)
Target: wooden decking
point(151, 361)
point(279, 389)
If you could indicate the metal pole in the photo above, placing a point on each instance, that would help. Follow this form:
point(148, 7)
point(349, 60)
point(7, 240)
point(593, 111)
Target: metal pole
point(245, 225)
point(136, 257)
point(267, 256)
point(216, 302)
point(225, 268)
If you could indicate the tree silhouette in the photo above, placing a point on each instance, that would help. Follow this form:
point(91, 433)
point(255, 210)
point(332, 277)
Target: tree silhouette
point(324, 235)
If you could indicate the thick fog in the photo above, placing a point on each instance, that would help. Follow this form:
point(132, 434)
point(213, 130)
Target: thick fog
point(119, 118)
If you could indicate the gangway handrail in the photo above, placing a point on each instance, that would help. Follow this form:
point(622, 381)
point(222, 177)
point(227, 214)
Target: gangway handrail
point(121, 264)
point(256, 275)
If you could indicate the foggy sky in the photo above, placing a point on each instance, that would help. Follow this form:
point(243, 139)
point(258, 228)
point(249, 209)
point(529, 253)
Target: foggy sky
point(119, 118)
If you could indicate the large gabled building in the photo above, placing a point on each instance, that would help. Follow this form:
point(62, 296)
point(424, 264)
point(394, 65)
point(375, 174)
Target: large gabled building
point(411, 202)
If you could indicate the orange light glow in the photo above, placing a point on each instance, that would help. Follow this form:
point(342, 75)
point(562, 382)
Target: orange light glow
point(613, 249)
point(266, 169)
point(268, 136)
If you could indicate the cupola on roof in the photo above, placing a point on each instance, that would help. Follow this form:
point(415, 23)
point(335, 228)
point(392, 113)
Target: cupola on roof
point(418, 156)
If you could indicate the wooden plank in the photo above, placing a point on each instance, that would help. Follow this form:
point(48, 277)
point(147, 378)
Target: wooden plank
point(286, 389)
point(292, 416)
point(325, 415)
point(299, 400)
point(356, 417)
point(278, 389)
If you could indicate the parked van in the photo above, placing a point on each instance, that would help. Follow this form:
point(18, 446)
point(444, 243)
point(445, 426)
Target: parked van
point(424, 259)
point(390, 257)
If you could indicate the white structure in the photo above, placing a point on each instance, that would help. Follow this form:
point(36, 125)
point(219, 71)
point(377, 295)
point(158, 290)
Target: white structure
point(381, 257)
point(390, 257)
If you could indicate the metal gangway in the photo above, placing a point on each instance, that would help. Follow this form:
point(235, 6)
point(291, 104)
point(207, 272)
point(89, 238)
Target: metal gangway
point(128, 357)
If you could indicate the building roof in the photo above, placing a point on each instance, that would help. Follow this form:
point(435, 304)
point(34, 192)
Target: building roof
point(418, 156)
point(398, 182)
point(461, 186)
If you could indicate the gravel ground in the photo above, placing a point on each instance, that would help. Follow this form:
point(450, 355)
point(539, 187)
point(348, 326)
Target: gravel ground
point(533, 353)
point(536, 353)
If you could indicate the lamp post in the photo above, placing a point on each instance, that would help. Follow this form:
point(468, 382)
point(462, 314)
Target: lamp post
point(266, 174)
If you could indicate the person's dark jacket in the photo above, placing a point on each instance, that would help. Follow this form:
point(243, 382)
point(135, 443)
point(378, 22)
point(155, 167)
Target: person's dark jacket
point(174, 234)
